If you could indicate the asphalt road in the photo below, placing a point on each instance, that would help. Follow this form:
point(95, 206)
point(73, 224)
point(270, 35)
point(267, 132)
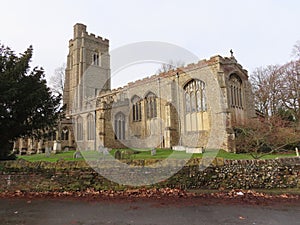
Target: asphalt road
point(79, 212)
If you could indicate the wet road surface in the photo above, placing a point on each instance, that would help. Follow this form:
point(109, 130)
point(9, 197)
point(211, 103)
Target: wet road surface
point(78, 212)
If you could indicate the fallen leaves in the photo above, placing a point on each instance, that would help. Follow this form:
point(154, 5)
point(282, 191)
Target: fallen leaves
point(243, 196)
point(131, 193)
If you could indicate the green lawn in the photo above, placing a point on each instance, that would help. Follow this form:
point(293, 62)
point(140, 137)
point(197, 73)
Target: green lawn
point(68, 156)
point(146, 154)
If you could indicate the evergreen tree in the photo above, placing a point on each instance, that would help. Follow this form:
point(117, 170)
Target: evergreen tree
point(27, 105)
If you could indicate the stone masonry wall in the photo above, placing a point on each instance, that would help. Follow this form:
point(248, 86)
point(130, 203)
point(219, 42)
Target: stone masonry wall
point(227, 174)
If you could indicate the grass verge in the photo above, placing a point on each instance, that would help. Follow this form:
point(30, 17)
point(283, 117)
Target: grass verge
point(146, 154)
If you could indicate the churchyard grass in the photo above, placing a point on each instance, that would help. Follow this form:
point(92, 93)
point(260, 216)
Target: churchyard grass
point(67, 156)
point(146, 154)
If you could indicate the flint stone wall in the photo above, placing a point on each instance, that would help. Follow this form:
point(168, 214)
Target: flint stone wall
point(228, 174)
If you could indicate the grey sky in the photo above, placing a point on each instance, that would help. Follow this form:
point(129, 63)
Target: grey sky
point(260, 32)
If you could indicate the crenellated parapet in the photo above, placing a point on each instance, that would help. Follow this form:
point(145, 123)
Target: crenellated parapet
point(81, 32)
point(223, 64)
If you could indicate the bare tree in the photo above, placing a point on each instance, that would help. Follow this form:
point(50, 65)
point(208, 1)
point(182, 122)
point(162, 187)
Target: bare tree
point(296, 50)
point(276, 88)
point(172, 64)
point(265, 136)
point(277, 95)
point(290, 87)
point(266, 82)
point(58, 79)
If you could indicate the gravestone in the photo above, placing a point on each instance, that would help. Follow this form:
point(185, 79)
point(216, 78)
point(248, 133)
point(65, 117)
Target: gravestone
point(153, 151)
point(103, 150)
point(47, 151)
point(77, 155)
point(118, 154)
point(100, 148)
point(56, 146)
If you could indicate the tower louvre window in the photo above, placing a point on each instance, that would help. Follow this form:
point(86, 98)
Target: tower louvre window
point(96, 59)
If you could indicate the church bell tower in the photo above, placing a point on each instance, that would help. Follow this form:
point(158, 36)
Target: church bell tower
point(88, 69)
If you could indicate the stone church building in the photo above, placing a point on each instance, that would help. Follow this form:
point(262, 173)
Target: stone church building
point(189, 108)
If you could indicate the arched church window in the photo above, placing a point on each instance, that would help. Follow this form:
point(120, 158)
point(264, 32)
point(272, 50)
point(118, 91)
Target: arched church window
point(65, 134)
point(236, 95)
point(195, 100)
point(79, 128)
point(187, 102)
point(136, 109)
point(119, 126)
point(52, 135)
point(90, 127)
point(151, 105)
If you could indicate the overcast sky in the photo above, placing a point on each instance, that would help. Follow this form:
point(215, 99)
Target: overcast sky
point(260, 32)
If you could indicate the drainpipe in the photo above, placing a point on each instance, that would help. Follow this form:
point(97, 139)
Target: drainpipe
point(179, 110)
point(95, 121)
point(160, 127)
